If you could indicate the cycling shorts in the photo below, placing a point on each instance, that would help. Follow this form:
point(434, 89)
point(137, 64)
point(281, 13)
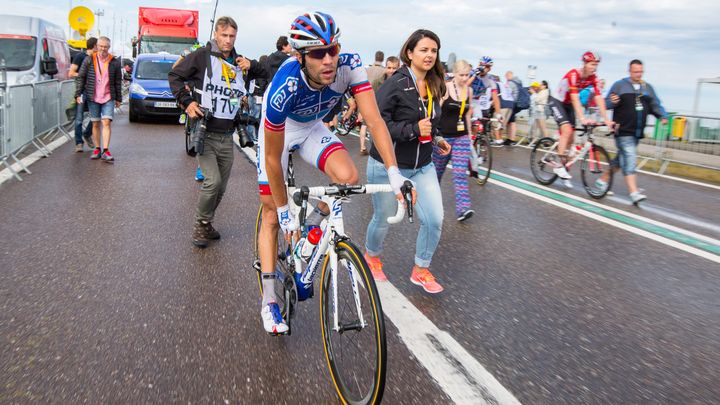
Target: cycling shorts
point(563, 113)
point(312, 141)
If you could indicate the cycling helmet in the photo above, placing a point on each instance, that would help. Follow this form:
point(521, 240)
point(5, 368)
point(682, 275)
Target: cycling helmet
point(590, 56)
point(313, 29)
point(486, 60)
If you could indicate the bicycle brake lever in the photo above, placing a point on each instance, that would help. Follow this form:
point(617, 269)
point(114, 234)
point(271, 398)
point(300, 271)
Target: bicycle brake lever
point(406, 191)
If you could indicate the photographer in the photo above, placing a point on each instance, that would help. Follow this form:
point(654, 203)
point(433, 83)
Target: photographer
point(216, 71)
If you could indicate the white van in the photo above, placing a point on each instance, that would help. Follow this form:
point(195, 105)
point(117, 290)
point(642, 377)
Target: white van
point(33, 49)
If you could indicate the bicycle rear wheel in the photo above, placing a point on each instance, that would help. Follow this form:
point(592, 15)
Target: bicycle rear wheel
point(484, 158)
point(355, 351)
point(596, 166)
point(285, 289)
point(542, 161)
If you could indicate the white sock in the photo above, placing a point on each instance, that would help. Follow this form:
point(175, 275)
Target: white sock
point(268, 284)
point(315, 217)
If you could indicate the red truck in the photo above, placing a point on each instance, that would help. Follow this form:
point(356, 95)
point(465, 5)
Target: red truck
point(165, 30)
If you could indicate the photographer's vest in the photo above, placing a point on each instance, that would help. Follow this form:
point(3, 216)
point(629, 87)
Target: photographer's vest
point(223, 89)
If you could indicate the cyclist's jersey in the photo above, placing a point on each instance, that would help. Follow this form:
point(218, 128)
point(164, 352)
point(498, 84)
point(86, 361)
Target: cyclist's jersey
point(483, 89)
point(292, 106)
point(572, 83)
point(289, 97)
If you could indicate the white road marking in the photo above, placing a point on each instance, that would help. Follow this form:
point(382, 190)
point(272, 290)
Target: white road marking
point(675, 215)
point(665, 176)
point(678, 245)
point(455, 370)
point(6, 174)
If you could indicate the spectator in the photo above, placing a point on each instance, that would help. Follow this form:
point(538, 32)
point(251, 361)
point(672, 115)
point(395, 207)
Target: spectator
point(409, 103)
point(80, 109)
point(538, 105)
point(454, 126)
point(275, 59)
point(376, 70)
point(513, 84)
point(632, 100)
point(99, 83)
point(391, 65)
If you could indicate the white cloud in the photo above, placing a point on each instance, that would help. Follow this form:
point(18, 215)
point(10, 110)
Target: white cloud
point(679, 42)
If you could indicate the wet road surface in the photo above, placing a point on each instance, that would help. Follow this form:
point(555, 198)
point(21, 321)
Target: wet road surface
point(103, 299)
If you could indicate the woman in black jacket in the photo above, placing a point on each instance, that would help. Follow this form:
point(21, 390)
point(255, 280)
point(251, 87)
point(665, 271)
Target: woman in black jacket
point(409, 102)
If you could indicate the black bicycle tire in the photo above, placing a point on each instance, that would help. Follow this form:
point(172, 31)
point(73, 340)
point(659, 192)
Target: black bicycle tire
point(533, 159)
point(479, 140)
point(583, 168)
point(353, 254)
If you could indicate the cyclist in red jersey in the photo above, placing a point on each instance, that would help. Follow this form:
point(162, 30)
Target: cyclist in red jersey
point(566, 106)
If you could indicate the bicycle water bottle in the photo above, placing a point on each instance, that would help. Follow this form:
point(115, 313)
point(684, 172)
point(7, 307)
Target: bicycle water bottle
point(311, 242)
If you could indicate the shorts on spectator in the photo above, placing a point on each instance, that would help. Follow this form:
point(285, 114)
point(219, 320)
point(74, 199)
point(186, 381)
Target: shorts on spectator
point(626, 158)
point(101, 111)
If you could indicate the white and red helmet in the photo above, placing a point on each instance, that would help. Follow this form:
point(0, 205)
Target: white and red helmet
point(591, 56)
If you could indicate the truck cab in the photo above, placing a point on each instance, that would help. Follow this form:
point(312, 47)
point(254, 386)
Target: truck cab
point(150, 93)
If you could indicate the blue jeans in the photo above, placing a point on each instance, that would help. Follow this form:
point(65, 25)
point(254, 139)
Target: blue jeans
point(79, 133)
point(255, 109)
point(104, 111)
point(626, 158)
point(429, 209)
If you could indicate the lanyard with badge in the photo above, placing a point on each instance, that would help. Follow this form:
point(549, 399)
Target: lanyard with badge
point(428, 109)
point(638, 97)
point(461, 122)
point(227, 74)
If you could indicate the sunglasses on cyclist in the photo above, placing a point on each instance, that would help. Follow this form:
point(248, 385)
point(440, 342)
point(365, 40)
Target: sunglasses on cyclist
point(321, 52)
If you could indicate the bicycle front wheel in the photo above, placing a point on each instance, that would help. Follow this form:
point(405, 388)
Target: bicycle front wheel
point(596, 172)
point(543, 161)
point(353, 327)
point(484, 158)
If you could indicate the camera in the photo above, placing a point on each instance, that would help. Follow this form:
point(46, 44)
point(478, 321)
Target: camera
point(197, 136)
point(241, 121)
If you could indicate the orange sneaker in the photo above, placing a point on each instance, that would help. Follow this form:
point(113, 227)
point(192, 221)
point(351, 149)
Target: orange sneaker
point(422, 277)
point(375, 267)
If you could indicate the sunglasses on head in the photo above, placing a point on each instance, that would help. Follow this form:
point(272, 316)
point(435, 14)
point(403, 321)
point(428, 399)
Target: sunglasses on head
point(321, 52)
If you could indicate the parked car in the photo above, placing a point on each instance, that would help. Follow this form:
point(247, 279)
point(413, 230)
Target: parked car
point(150, 93)
point(33, 49)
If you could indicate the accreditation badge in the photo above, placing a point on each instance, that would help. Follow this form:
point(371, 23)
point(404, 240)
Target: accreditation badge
point(461, 126)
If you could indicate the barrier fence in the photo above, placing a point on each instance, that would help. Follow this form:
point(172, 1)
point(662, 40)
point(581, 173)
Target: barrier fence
point(33, 115)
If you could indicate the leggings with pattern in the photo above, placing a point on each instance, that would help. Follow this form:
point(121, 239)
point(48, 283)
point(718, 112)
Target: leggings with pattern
point(460, 156)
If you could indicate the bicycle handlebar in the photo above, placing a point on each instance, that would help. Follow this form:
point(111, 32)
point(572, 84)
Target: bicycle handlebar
point(343, 190)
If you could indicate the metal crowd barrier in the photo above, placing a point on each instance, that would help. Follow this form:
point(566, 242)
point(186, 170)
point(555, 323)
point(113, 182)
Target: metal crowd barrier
point(31, 115)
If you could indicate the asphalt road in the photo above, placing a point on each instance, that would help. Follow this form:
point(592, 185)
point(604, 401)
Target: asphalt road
point(104, 300)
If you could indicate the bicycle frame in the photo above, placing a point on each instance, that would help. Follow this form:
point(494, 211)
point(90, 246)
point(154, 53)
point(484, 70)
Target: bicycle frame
point(586, 150)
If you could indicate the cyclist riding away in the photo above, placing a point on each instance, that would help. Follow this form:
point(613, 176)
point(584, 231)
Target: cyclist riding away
point(303, 91)
point(566, 108)
point(486, 99)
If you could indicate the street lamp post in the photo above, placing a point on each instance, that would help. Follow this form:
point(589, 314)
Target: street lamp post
point(531, 73)
point(99, 12)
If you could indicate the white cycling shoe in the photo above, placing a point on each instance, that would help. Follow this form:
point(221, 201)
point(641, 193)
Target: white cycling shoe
point(272, 319)
point(562, 172)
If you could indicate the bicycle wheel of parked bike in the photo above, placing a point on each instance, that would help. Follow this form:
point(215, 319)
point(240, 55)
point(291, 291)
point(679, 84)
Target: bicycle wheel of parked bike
point(285, 290)
point(594, 168)
point(355, 350)
point(543, 161)
point(484, 158)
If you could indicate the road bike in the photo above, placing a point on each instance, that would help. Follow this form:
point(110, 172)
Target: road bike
point(594, 167)
point(481, 153)
point(351, 317)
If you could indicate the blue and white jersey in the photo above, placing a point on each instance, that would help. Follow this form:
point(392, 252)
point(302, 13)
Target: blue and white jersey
point(290, 97)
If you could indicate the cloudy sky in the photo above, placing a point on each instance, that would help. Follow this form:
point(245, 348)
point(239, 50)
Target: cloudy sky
point(679, 41)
